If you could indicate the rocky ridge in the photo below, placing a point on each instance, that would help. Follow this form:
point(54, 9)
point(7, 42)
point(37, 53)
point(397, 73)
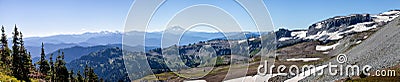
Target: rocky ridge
point(338, 27)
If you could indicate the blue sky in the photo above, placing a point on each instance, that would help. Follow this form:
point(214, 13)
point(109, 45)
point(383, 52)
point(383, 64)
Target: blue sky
point(51, 17)
point(172, 9)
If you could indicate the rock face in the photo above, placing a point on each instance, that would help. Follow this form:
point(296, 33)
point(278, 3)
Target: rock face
point(283, 33)
point(336, 28)
point(381, 50)
point(337, 23)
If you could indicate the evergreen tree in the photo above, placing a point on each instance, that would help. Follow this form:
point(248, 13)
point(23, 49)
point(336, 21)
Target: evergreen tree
point(56, 68)
point(61, 69)
point(31, 66)
point(101, 80)
point(51, 68)
point(90, 75)
point(20, 58)
point(71, 76)
point(5, 54)
point(5, 51)
point(44, 66)
point(17, 58)
point(25, 59)
point(19, 61)
point(94, 78)
point(79, 77)
point(86, 73)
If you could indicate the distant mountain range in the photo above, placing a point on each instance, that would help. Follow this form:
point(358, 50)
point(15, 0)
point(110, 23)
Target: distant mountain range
point(53, 43)
point(153, 39)
point(76, 52)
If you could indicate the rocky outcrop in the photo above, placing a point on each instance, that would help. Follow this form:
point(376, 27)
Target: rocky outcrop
point(380, 51)
point(338, 23)
point(338, 27)
point(283, 33)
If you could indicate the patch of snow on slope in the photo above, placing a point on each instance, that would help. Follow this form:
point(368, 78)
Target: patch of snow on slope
point(319, 25)
point(365, 37)
point(325, 52)
point(255, 78)
point(390, 13)
point(335, 36)
point(358, 42)
point(331, 36)
point(284, 38)
point(196, 81)
point(361, 27)
point(241, 41)
point(303, 59)
point(378, 18)
point(340, 17)
point(386, 16)
point(325, 48)
point(252, 39)
point(300, 34)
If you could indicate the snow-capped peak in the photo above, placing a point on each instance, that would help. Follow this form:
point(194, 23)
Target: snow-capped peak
point(175, 29)
point(392, 12)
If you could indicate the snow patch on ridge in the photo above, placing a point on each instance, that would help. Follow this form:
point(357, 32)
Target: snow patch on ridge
point(285, 38)
point(390, 13)
point(300, 34)
point(325, 48)
point(361, 27)
point(196, 81)
point(303, 59)
point(255, 78)
point(330, 36)
point(319, 25)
